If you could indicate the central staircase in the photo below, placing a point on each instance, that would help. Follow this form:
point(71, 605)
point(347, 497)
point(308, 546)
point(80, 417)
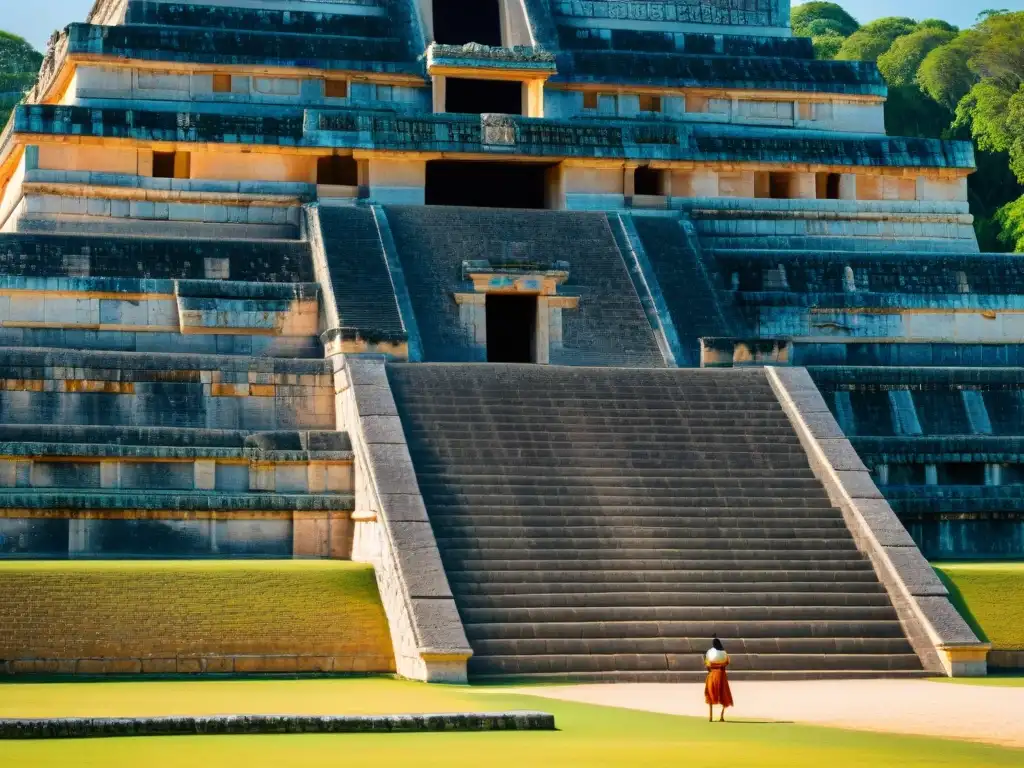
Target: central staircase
point(603, 524)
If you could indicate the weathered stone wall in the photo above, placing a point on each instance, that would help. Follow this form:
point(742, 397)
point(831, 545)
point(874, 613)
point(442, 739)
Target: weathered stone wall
point(191, 618)
point(756, 17)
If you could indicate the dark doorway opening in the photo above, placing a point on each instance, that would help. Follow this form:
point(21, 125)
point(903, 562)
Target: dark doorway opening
point(511, 326)
point(457, 22)
point(647, 181)
point(486, 185)
point(475, 97)
point(337, 170)
point(828, 186)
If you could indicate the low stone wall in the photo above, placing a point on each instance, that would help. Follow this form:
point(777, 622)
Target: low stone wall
point(1005, 661)
point(227, 725)
point(939, 635)
point(189, 617)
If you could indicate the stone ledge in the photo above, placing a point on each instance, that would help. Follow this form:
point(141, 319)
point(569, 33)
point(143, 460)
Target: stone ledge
point(217, 725)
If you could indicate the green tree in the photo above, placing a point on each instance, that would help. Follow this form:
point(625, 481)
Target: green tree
point(900, 63)
point(19, 64)
point(944, 74)
point(817, 19)
point(827, 46)
point(1010, 219)
point(872, 40)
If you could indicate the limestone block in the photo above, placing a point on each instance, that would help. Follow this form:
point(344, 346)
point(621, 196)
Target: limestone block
point(438, 626)
point(392, 469)
point(858, 484)
point(885, 527)
point(205, 475)
point(915, 572)
point(382, 429)
point(375, 401)
point(339, 477)
point(399, 508)
point(290, 478)
point(419, 560)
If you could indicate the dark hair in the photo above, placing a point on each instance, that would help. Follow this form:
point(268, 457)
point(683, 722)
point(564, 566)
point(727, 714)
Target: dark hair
point(717, 644)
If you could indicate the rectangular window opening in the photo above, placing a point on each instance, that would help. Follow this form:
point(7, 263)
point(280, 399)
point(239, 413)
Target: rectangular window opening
point(336, 89)
point(337, 170)
point(222, 83)
point(650, 103)
point(590, 99)
point(172, 165)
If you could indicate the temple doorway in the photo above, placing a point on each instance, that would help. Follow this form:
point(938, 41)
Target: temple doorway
point(476, 97)
point(511, 328)
point(486, 184)
point(457, 22)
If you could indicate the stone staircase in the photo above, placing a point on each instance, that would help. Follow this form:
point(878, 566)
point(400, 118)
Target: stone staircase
point(609, 328)
point(602, 524)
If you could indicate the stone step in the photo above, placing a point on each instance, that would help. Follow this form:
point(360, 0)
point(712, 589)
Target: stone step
point(558, 678)
point(472, 462)
point(792, 561)
point(546, 534)
point(739, 613)
point(498, 454)
point(683, 645)
point(723, 591)
point(646, 516)
point(675, 576)
point(648, 598)
point(691, 662)
point(633, 546)
point(622, 501)
point(516, 483)
point(655, 474)
point(699, 632)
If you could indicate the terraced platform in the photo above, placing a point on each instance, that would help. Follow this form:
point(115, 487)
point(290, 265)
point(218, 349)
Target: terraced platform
point(602, 524)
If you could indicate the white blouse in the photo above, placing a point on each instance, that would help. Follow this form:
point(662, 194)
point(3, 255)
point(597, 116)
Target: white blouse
point(715, 656)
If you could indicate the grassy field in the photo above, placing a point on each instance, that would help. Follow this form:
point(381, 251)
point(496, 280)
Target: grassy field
point(154, 609)
point(588, 736)
point(994, 681)
point(990, 596)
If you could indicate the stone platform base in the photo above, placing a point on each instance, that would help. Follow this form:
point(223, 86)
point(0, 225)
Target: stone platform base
point(191, 617)
point(1005, 661)
point(228, 725)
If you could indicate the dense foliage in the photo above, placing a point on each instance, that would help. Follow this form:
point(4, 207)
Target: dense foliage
point(948, 83)
point(19, 64)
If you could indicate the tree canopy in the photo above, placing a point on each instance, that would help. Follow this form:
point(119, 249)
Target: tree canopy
point(872, 40)
point(19, 64)
point(817, 18)
point(949, 83)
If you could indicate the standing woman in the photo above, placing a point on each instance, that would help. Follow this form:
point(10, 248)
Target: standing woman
point(716, 686)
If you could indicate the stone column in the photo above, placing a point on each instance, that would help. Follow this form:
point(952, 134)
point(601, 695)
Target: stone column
point(803, 186)
point(542, 332)
point(439, 93)
point(848, 186)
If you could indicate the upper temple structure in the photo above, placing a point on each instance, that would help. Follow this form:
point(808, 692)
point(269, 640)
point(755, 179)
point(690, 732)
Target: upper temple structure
point(597, 326)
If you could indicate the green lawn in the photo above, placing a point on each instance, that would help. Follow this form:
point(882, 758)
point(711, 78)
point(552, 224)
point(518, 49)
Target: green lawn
point(164, 608)
point(990, 596)
point(995, 681)
point(588, 736)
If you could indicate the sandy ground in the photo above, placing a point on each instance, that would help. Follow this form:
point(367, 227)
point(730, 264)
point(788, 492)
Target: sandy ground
point(978, 713)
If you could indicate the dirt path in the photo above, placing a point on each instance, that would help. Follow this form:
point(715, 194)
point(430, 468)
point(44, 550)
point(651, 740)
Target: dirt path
point(977, 713)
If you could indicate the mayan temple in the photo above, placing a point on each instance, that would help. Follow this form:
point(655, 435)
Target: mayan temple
point(597, 327)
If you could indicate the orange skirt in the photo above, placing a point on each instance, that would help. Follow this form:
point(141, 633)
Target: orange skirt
point(716, 686)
